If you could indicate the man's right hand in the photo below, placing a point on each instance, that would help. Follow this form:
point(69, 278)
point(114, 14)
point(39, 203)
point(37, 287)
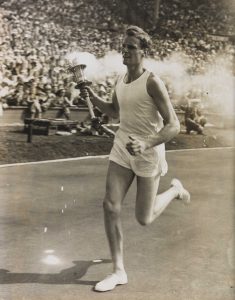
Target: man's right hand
point(86, 92)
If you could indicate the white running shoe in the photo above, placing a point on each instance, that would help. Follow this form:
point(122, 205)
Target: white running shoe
point(110, 282)
point(183, 193)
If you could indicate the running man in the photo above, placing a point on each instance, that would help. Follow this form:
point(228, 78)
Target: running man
point(147, 122)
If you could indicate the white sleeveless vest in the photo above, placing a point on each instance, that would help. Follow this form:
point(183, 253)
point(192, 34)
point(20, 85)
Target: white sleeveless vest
point(138, 113)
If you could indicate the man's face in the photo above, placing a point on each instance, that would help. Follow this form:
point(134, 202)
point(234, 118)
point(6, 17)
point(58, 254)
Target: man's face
point(131, 51)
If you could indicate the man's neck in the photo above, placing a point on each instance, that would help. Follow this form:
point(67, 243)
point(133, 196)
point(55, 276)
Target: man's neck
point(134, 72)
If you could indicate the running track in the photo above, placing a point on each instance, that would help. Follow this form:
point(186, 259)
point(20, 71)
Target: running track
point(52, 237)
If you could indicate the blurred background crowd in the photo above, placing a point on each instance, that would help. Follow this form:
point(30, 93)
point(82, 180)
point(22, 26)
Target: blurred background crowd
point(35, 36)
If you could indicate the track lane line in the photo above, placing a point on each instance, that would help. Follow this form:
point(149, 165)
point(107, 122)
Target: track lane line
point(102, 157)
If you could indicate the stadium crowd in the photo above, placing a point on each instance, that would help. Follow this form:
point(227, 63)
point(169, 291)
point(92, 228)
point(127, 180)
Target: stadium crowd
point(36, 35)
point(192, 27)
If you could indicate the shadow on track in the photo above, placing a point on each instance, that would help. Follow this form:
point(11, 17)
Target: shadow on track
point(67, 276)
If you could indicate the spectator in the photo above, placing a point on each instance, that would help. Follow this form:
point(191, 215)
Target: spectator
point(50, 97)
point(63, 101)
point(102, 92)
point(34, 107)
point(194, 120)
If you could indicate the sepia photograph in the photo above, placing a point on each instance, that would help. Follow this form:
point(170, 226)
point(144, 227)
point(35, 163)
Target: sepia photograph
point(117, 149)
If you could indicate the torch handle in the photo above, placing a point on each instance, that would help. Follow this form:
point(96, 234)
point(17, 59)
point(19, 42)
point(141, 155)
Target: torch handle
point(90, 107)
point(81, 85)
point(108, 131)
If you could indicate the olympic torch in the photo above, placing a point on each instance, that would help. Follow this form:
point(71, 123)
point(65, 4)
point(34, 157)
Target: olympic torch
point(77, 69)
point(82, 82)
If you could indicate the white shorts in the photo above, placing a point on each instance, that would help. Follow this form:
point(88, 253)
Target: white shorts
point(148, 164)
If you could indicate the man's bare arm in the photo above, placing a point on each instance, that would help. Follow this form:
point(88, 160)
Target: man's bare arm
point(158, 92)
point(110, 109)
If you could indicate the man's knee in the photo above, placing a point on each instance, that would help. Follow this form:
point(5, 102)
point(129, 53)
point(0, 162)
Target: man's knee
point(143, 219)
point(111, 206)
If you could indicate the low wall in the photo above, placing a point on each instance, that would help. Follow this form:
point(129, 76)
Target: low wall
point(16, 114)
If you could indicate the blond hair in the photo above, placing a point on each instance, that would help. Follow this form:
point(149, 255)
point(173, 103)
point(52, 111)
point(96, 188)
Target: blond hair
point(141, 35)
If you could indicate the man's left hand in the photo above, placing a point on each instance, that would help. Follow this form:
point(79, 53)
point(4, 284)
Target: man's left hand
point(135, 146)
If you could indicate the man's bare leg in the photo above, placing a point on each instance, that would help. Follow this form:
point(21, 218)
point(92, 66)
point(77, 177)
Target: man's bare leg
point(149, 205)
point(118, 182)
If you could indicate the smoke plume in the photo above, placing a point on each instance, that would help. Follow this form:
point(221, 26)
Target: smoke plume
point(214, 87)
